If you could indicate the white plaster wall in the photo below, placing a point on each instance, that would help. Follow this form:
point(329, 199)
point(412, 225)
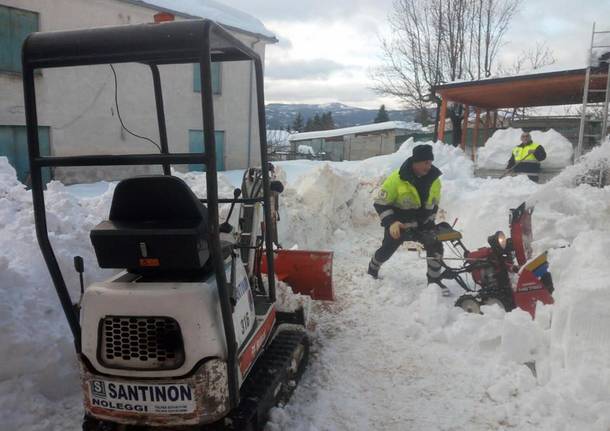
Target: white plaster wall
point(78, 103)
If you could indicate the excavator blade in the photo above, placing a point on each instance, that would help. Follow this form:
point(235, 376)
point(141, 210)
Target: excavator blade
point(307, 272)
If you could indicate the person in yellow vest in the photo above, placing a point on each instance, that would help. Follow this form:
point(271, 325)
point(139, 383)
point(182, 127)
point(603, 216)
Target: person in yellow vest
point(407, 204)
point(526, 157)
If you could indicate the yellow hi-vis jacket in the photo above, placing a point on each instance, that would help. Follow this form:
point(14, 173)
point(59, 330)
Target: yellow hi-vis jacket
point(399, 200)
point(521, 153)
point(402, 194)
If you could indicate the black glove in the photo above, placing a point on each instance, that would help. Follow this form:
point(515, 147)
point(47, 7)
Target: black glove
point(429, 225)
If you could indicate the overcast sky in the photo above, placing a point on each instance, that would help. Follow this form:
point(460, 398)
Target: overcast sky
point(327, 47)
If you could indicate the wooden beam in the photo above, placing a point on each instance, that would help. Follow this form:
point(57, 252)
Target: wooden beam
point(441, 121)
point(475, 135)
point(487, 115)
point(464, 127)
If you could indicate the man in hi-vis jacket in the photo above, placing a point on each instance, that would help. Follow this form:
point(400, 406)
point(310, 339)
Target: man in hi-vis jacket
point(526, 157)
point(407, 204)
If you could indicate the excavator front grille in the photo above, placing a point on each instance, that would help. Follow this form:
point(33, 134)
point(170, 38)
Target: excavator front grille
point(140, 343)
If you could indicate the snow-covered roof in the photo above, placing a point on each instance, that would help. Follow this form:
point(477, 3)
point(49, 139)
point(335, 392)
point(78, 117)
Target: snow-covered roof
point(210, 9)
point(551, 68)
point(376, 127)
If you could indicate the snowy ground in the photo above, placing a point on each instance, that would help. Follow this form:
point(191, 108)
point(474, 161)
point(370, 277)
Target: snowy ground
point(390, 354)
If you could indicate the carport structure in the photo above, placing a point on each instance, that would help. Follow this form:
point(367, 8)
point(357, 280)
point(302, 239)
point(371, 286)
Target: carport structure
point(541, 89)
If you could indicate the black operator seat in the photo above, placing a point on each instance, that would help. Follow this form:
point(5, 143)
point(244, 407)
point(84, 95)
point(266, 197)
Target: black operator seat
point(156, 224)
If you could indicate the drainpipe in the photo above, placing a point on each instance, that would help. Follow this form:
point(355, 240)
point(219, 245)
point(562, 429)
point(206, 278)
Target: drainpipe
point(250, 106)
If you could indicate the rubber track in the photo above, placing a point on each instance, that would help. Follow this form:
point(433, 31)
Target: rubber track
point(271, 370)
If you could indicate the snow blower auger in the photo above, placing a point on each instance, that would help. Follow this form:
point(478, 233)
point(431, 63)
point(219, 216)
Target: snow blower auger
point(178, 338)
point(503, 273)
point(308, 272)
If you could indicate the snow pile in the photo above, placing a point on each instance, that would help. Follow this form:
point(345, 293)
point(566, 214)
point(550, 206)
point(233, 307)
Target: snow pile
point(593, 168)
point(306, 149)
point(38, 363)
point(498, 148)
point(570, 388)
point(451, 160)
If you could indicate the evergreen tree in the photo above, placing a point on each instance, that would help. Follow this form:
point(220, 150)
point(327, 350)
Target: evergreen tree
point(382, 115)
point(297, 123)
point(317, 122)
point(309, 126)
point(327, 121)
point(423, 116)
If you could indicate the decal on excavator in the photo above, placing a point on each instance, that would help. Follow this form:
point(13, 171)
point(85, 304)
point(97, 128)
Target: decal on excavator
point(150, 398)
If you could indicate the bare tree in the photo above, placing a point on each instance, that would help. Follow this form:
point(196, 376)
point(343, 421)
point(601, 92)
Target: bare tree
point(529, 60)
point(439, 41)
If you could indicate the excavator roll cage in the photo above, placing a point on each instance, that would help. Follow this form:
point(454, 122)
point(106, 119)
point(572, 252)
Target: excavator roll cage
point(189, 41)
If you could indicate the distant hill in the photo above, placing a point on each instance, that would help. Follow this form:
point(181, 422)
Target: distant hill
point(281, 115)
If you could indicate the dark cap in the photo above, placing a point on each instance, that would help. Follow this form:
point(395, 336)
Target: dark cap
point(422, 152)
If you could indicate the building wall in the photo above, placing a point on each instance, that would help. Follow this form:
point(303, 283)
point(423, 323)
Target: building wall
point(79, 103)
point(359, 147)
point(353, 147)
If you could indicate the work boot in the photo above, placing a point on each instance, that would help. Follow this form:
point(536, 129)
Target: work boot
point(373, 271)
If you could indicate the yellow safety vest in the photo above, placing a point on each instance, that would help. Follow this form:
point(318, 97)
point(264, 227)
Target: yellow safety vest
point(402, 194)
point(521, 153)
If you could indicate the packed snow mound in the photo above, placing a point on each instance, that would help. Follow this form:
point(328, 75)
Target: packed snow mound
point(592, 168)
point(451, 160)
point(321, 202)
point(306, 149)
point(12, 193)
point(497, 150)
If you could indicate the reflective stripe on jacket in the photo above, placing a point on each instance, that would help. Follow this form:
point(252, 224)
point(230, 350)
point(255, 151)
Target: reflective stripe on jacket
point(521, 153)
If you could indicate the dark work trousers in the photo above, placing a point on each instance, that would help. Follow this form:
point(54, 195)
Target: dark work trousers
point(530, 168)
point(434, 250)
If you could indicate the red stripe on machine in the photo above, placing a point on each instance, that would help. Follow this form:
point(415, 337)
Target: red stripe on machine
point(251, 351)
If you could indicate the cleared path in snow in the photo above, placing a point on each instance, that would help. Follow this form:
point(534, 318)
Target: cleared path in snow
point(367, 371)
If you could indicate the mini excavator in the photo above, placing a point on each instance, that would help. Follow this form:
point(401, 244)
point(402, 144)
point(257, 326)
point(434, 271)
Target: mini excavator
point(186, 335)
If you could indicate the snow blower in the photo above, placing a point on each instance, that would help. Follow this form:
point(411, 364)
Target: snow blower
point(503, 273)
